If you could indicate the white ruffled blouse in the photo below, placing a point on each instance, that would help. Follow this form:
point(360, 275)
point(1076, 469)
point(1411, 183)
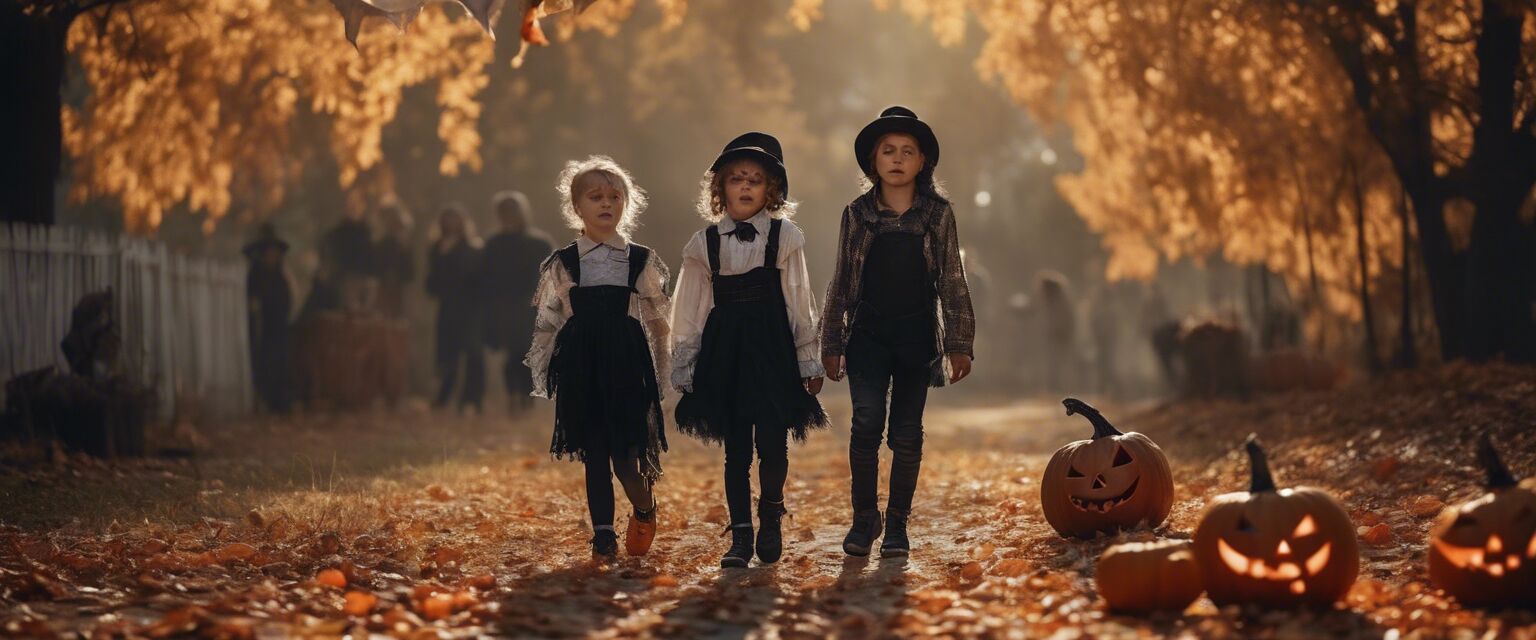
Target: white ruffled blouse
point(695, 297)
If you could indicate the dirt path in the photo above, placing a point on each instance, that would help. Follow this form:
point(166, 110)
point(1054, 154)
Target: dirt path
point(483, 517)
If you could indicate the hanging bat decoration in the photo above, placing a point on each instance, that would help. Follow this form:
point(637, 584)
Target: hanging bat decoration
point(485, 13)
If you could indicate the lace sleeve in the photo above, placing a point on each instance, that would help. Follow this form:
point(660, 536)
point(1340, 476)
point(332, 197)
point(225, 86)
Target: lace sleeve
point(552, 312)
point(655, 310)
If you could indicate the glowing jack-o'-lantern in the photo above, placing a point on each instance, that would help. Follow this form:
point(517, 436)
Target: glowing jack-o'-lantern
point(1275, 547)
point(1483, 552)
point(1113, 481)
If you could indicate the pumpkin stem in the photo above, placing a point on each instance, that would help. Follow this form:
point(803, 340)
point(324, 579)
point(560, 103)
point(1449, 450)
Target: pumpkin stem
point(1499, 476)
point(1262, 480)
point(1101, 426)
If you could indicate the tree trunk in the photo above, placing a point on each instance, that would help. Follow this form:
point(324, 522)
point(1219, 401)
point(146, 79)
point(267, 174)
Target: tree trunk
point(1499, 277)
point(1407, 355)
point(1444, 269)
point(1502, 258)
point(32, 70)
point(1318, 306)
point(1372, 358)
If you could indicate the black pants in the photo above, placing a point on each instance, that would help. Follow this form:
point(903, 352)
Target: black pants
point(518, 379)
point(880, 371)
point(772, 468)
point(600, 485)
point(472, 358)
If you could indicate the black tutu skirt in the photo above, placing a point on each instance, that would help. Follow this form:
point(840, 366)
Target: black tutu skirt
point(747, 374)
point(604, 384)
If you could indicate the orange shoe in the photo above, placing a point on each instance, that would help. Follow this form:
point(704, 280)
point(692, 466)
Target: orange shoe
point(640, 532)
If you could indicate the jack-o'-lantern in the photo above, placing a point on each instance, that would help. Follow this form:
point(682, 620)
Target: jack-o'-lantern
point(1113, 481)
point(1276, 547)
point(1141, 577)
point(1483, 552)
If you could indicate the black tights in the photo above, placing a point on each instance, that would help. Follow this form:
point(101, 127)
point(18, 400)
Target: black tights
point(600, 485)
point(772, 445)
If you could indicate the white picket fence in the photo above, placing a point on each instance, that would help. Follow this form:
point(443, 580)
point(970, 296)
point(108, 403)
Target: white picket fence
point(183, 320)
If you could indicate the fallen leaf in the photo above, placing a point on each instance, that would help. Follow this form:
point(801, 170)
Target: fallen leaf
point(1011, 567)
point(1379, 535)
point(234, 551)
point(332, 578)
point(1425, 506)
point(359, 603)
point(437, 607)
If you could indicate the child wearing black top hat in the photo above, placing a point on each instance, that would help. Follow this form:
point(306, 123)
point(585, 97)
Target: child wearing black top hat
point(599, 347)
point(744, 337)
point(893, 339)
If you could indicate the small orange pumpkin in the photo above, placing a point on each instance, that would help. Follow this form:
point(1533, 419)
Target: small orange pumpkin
point(1276, 547)
point(1111, 482)
point(1142, 577)
point(1483, 552)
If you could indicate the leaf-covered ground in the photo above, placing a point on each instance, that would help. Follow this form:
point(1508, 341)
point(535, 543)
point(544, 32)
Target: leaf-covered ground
point(420, 525)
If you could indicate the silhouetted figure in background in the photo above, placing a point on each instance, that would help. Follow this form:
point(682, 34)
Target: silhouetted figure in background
point(394, 260)
point(1104, 314)
point(453, 277)
point(1058, 328)
point(1162, 332)
point(511, 273)
point(269, 295)
point(347, 260)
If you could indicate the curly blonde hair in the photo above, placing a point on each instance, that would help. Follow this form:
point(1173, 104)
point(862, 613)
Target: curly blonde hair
point(580, 175)
point(711, 203)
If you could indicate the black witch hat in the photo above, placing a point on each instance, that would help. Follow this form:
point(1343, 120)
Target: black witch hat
point(266, 236)
point(896, 119)
point(760, 147)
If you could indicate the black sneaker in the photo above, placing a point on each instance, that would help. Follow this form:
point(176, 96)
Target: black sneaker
point(770, 536)
point(895, 543)
point(740, 552)
point(861, 536)
point(605, 544)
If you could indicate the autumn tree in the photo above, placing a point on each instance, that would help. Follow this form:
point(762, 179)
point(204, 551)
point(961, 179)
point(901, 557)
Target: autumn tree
point(1448, 89)
point(1225, 126)
point(192, 101)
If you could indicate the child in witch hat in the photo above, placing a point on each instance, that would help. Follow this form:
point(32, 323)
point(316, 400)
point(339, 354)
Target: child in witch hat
point(744, 337)
point(599, 347)
point(894, 339)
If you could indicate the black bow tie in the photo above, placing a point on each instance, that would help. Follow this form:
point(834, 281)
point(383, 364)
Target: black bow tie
point(744, 232)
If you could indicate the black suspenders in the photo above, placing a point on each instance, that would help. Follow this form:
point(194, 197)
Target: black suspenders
point(770, 252)
point(570, 257)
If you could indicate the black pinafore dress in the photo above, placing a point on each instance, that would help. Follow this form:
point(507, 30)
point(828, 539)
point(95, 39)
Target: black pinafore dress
point(601, 373)
point(746, 372)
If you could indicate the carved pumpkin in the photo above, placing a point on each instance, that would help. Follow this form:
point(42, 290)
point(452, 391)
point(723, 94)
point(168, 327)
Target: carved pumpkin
point(1276, 548)
point(1483, 552)
point(1113, 481)
point(1141, 577)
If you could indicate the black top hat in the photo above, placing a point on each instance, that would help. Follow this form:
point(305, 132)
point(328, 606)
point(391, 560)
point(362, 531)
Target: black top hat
point(266, 236)
point(894, 120)
point(758, 146)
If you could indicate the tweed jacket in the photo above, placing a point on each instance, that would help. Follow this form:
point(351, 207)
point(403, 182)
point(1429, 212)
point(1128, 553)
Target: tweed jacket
point(934, 218)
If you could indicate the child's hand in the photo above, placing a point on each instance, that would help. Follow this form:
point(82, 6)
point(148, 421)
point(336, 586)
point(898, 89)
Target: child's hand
point(834, 366)
point(959, 367)
point(813, 385)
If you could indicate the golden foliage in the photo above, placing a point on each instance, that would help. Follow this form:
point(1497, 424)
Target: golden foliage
point(1217, 127)
point(194, 101)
